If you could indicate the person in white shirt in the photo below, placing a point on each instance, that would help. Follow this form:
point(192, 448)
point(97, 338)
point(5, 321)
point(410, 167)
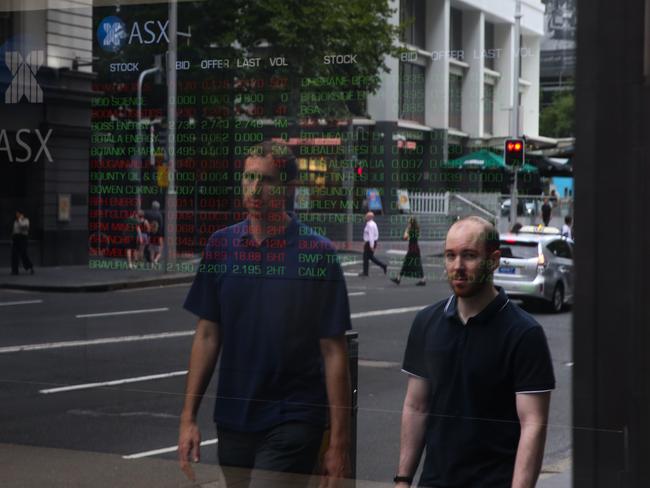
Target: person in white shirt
point(370, 238)
point(567, 231)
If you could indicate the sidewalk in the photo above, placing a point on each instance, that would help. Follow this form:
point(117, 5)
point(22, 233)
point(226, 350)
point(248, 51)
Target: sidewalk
point(84, 278)
point(112, 274)
point(36, 467)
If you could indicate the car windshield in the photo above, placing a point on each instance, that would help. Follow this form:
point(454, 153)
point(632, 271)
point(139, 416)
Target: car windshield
point(518, 250)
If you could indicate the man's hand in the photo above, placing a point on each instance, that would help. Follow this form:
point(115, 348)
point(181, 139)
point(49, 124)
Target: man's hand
point(189, 442)
point(336, 466)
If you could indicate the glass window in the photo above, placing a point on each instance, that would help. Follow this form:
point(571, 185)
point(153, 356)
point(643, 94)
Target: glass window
point(411, 92)
point(489, 54)
point(518, 250)
point(412, 16)
point(560, 249)
point(456, 30)
point(488, 108)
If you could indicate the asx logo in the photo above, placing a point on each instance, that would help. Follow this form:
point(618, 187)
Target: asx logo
point(112, 33)
point(21, 63)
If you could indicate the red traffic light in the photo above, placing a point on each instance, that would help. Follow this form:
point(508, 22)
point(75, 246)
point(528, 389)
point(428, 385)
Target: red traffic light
point(514, 152)
point(359, 170)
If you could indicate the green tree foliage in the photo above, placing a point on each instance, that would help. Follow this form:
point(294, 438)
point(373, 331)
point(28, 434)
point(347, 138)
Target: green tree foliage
point(557, 119)
point(301, 31)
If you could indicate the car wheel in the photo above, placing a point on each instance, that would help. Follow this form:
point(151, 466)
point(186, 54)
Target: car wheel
point(557, 299)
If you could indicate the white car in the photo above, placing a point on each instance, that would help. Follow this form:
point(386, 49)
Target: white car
point(537, 265)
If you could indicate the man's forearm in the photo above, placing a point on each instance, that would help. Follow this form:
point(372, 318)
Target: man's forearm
point(530, 454)
point(414, 424)
point(203, 358)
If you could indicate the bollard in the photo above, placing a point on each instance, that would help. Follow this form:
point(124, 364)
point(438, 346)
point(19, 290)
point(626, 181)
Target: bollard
point(352, 337)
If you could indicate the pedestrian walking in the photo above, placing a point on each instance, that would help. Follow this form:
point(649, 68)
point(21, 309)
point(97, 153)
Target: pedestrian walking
point(480, 377)
point(370, 239)
point(19, 243)
point(273, 309)
point(546, 212)
point(153, 251)
point(412, 264)
point(567, 230)
point(132, 239)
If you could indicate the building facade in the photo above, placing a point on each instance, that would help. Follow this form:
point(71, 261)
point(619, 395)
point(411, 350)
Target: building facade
point(45, 78)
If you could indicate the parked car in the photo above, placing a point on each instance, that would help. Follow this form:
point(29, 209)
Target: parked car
point(537, 265)
point(525, 207)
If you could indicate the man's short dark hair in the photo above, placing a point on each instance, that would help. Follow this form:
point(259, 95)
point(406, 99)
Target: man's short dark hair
point(283, 158)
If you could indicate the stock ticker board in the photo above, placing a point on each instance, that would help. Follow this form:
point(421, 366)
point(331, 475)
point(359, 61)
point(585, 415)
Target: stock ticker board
point(227, 101)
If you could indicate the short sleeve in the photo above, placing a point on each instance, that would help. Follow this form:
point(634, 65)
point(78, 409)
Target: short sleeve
point(336, 312)
point(203, 298)
point(414, 356)
point(533, 368)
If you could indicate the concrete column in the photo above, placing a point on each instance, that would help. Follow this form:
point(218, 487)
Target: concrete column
point(530, 58)
point(503, 94)
point(473, 41)
point(611, 386)
point(437, 72)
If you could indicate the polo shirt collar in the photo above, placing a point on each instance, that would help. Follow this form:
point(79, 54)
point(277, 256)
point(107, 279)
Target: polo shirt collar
point(290, 232)
point(494, 307)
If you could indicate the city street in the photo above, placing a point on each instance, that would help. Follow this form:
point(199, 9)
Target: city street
point(104, 372)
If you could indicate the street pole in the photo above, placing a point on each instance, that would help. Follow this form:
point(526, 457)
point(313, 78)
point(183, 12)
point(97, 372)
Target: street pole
point(514, 115)
point(349, 213)
point(138, 134)
point(169, 255)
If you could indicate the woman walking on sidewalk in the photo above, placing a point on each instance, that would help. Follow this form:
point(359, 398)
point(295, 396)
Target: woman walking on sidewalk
point(19, 243)
point(412, 264)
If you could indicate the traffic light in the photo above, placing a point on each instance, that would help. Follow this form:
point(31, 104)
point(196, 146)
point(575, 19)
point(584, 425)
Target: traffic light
point(514, 152)
point(360, 171)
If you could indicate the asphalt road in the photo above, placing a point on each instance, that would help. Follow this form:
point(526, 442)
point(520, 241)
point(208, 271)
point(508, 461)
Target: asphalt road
point(145, 332)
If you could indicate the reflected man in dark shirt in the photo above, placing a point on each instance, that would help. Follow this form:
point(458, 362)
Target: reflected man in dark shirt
point(273, 305)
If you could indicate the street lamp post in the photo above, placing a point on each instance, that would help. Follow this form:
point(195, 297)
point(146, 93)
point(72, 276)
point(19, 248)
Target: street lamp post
point(138, 135)
point(514, 115)
point(169, 255)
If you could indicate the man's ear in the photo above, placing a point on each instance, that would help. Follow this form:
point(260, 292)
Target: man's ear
point(492, 261)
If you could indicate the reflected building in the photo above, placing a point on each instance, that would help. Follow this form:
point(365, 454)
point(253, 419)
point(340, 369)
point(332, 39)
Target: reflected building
point(45, 81)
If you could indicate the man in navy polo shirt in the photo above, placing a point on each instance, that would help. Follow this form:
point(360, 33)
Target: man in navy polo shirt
point(272, 303)
point(480, 376)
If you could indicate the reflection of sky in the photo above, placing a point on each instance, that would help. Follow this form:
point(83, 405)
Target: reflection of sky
point(562, 182)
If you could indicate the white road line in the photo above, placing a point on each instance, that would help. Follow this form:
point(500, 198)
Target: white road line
point(21, 302)
point(106, 340)
point(389, 311)
point(123, 312)
point(169, 335)
point(356, 293)
point(164, 450)
point(123, 381)
point(350, 274)
point(350, 263)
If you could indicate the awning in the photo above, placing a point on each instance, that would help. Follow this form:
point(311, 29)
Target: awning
point(484, 160)
point(551, 166)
